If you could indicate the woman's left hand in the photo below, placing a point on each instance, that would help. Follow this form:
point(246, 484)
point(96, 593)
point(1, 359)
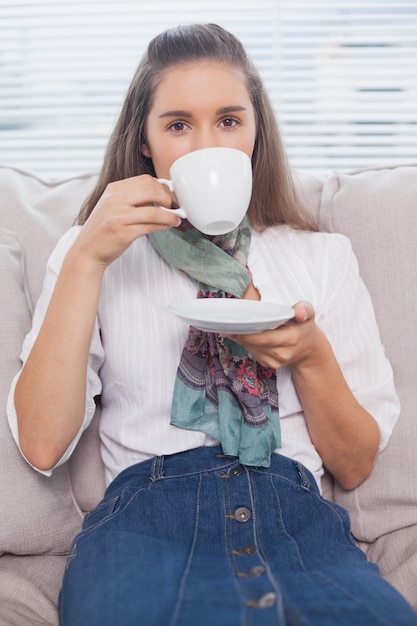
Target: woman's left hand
point(294, 343)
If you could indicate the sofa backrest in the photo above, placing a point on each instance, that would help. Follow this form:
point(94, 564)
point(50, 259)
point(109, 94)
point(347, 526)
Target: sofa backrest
point(42, 514)
point(34, 213)
point(377, 209)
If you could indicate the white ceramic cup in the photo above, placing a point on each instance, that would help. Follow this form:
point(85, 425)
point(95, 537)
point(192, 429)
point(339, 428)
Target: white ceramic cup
point(213, 187)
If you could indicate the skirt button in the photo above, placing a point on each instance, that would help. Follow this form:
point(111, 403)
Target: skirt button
point(242, 514)
point(268, 600)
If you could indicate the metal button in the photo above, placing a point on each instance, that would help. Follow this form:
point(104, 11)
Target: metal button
point(268, 600)
point(247, 551)
point(242, 514)
point(236, 471)
point(256, 571)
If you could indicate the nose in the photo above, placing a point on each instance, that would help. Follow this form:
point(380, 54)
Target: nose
point(205, 139)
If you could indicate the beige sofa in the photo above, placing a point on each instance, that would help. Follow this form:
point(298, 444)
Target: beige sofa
point(376, 208)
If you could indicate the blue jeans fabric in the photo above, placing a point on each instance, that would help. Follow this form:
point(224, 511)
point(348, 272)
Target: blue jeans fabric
point(196, 539)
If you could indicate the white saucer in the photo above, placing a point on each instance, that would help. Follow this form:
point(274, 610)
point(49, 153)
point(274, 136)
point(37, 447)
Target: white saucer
point(232, 315)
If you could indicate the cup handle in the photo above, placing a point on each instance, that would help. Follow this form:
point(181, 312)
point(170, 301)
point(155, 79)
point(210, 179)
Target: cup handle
point(180, 212)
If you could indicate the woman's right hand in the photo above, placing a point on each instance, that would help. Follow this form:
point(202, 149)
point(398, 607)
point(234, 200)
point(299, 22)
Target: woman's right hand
point(127, 210)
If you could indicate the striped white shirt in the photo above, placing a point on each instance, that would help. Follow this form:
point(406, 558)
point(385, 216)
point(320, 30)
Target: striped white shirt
point(137, 342)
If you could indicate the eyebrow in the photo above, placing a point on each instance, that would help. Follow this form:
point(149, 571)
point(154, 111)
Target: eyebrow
point(221, 111)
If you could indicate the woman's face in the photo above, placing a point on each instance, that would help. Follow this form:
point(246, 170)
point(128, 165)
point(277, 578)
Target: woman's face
point(199, 105)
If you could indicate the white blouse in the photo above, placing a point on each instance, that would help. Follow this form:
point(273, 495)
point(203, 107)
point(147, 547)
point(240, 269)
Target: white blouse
point(137, 342)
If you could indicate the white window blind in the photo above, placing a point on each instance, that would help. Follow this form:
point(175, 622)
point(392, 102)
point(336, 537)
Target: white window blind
point(347, 89)
point(342, 75)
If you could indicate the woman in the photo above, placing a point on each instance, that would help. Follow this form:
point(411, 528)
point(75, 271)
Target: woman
point(215, 515)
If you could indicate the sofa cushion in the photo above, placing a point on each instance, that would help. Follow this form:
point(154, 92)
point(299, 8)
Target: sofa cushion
point(39, 514)
point(29, 588)
point(377, 209)
point(39, 212)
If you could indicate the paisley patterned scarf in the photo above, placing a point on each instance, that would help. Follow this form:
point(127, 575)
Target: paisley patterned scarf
point(220, 389)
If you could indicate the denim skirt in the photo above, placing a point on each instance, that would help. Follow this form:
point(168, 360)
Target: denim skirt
point(197, 539)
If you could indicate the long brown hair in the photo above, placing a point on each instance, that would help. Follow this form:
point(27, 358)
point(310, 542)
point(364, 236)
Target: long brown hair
point(274, 200)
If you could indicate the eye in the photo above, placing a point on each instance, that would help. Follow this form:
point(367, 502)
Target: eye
point(229, 122)
point(178, 127)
